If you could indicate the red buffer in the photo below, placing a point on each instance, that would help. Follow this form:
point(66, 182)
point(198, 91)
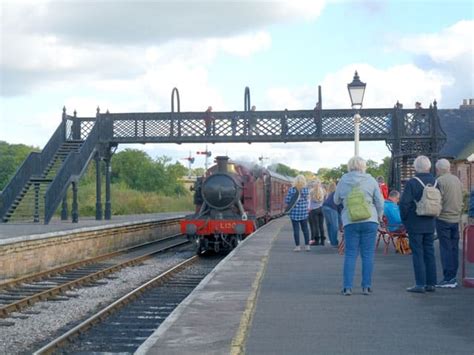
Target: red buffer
point(468, 257)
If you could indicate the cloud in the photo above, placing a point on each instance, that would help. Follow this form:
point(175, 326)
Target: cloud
point(450, 52)
point(152, 22)
point(132, 75)
point(445, 46)
point(91, 40)
point(245, 45)
point(404, 83)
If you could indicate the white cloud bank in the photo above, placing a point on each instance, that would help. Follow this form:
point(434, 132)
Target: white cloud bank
point(86, 50)
point(450, 52)
point(445, 46)
point(44, 41)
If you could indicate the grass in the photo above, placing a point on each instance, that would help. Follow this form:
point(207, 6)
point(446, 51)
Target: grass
point(126, 201)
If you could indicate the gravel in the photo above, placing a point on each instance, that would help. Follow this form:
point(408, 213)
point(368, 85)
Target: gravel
point(44, 319)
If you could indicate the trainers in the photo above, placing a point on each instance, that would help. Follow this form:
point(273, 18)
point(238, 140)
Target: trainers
point(448, 284)
point(346, 291)
point(298, 248)
point(307, 248)
point(430, 288)
point(312, 242)
point(366, 291)
point(416, 289)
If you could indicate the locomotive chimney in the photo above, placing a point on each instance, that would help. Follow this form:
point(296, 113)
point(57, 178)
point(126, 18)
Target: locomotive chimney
point(222, 164)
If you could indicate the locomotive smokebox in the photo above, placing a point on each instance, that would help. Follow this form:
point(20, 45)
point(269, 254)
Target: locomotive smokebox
point(222, 164)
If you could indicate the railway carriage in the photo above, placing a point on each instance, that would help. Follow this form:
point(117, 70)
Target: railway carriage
point(232, 200)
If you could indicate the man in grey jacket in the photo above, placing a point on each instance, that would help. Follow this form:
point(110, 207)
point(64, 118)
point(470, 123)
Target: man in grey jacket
point(447, 224)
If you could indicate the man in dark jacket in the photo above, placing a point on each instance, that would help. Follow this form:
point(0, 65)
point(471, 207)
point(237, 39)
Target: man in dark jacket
point(420, 228)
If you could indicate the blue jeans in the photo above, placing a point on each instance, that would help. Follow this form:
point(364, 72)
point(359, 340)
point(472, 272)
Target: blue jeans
point(359, 236)
point(448, 235)
point(423, 257)
point(332, 223)
point(296, 231)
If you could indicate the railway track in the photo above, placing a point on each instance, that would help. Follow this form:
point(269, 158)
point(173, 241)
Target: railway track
point(125, 324)
point(56, 284)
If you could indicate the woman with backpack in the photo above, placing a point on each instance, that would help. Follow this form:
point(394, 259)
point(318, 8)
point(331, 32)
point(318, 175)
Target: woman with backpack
point(362, 210)
point(420, 226)
point(297, 203)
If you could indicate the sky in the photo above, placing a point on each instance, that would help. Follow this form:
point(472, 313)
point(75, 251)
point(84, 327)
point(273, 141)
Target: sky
point(127, 56)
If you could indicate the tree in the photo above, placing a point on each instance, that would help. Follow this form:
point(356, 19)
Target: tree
point(284, 170)
point(198, 171)
point(333, 174)
point(136, 169)
point(376, 170)
point(11, 158)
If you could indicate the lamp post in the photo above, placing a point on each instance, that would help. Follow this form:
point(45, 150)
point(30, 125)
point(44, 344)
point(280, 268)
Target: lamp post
point(356, 92)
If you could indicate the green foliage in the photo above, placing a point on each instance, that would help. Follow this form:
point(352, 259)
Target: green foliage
point(198, 171)
point(327, 175)
point(373, 168)
point(137, 170)
point(126, 201)
point(284, 170)
point(11, 158)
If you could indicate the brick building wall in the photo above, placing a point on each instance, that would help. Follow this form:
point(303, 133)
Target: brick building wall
point(465, 172)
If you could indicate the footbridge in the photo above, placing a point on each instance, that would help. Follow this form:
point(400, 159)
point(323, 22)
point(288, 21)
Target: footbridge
point(39, 186)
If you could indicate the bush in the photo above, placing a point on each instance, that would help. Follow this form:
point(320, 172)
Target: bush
point(128, 201)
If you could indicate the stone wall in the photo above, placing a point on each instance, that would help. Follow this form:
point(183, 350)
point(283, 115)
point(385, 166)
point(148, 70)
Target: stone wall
point(24, 257)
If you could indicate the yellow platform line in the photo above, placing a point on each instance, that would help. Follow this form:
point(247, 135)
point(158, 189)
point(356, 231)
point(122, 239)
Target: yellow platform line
point(237, 346)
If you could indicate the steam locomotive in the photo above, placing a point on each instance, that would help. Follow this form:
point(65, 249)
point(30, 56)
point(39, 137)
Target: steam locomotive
point(232, 200)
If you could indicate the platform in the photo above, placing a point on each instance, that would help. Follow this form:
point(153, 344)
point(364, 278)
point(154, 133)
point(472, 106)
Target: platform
point(266, 299)
point(14, 230)
point(28, 248)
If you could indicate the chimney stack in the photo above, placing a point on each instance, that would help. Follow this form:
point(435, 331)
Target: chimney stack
point(467, 104)
point(222, 164)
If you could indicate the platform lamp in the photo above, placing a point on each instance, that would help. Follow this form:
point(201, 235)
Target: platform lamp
point(356, 93)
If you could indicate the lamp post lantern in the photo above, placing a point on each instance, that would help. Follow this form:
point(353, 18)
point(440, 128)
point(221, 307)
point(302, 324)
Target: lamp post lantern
point(356, 92)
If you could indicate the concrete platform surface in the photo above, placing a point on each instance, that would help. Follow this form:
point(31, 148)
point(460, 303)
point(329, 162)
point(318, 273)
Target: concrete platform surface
point(27, 231)
point(267, 299)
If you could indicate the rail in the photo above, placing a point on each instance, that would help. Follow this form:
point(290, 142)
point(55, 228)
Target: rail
point(45, 292)
point(49, 348)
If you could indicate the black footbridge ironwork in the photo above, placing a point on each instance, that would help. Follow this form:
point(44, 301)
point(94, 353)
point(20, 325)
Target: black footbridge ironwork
point(41, 183)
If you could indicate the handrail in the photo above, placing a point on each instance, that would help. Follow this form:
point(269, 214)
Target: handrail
point(29, 167)
point(52, 146)
point(34, 164)
point(72, 168)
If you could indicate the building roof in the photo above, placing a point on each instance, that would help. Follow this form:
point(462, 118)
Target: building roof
point(458, 124)
point(467, 151)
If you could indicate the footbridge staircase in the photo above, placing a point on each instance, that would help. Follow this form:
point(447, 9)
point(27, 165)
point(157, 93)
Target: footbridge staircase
point(41, 182)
